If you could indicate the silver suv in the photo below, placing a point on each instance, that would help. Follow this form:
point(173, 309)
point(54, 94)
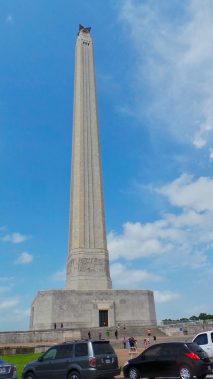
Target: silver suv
point(84, 359)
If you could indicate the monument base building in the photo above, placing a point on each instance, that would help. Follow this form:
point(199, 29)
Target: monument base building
point(88, 299)
point(93, 308)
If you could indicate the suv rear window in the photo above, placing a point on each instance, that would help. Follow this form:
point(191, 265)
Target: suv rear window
point(81, 350)
point(65, 351)
point(102, 348)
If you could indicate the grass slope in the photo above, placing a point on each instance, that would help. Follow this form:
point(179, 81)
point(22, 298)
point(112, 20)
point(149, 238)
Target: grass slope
point(20, 360)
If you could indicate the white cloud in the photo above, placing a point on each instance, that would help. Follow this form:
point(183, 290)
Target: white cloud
point(59, 276)
point(174, 59)
point(198, 141)
point(184, 192)
point(136, 241)
point(24, 258)
point(166, 296)
point(15, 238)
point(183, 239)
point(123, 276)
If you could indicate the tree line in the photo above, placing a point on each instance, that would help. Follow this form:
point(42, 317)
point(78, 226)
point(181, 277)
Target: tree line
point(201, 317)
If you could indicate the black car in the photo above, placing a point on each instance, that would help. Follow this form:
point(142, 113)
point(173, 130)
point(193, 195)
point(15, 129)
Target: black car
point(172, 359)
point(7, 370)
point(84, 359)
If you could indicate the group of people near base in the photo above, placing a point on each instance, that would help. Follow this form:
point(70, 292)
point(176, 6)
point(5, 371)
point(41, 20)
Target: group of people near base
point(129, 342)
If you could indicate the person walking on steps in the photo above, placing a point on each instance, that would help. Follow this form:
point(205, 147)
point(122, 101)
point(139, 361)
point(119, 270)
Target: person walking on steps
point(124, 342)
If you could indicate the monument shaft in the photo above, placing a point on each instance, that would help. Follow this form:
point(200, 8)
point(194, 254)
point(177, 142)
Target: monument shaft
point(88, 261)
point(88, 300)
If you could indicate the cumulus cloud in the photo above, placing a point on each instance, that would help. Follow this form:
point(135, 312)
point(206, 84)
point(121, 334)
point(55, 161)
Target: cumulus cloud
point(166, 296)
point(173, 61)
point(15, 238)
point(137, 240)
point(24, 258)
point(184, 192)
point(123, 275)
point(180, 239)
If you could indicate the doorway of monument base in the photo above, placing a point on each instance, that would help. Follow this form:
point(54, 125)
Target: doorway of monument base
point(103, 317)
point(103, 313)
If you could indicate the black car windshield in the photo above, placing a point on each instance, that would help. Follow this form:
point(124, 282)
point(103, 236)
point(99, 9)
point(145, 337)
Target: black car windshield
point(102, 348)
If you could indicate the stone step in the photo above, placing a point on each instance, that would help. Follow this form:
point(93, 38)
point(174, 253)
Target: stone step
point(109, 332)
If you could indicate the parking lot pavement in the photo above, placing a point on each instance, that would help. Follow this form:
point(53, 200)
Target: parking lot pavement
point(210, 376)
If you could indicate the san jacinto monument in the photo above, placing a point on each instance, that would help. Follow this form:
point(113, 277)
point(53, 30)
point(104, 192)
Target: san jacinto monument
point(88, 299)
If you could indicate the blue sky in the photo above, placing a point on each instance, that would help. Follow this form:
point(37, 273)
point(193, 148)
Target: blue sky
point(154, 74)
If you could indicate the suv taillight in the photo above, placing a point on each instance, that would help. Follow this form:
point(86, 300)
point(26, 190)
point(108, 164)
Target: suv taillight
point(193, 356)
point(92, 362)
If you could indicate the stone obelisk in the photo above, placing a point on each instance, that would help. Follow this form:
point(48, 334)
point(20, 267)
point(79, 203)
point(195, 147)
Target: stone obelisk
point(88, 299)
point(88, 260)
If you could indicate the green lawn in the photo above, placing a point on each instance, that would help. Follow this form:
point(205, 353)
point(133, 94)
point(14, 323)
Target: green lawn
point(20, 360)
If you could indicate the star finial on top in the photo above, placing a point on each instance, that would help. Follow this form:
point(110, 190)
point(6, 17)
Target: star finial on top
point(85, 29)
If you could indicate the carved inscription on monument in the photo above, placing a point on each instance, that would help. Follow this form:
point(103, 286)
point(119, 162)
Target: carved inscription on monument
point(85, 264)
point(91, 265)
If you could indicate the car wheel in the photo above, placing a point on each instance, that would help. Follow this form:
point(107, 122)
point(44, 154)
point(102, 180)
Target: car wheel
point(74, 375)
point(29, 375)
point(133, 373)
point(185, 372)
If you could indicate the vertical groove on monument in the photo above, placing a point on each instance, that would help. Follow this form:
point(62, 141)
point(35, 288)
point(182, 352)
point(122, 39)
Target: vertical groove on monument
point(88, 260)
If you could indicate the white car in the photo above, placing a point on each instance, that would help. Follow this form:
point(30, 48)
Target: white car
point(205, 341)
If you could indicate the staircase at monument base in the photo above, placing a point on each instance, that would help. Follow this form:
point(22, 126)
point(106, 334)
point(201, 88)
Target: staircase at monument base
point(109, 333)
